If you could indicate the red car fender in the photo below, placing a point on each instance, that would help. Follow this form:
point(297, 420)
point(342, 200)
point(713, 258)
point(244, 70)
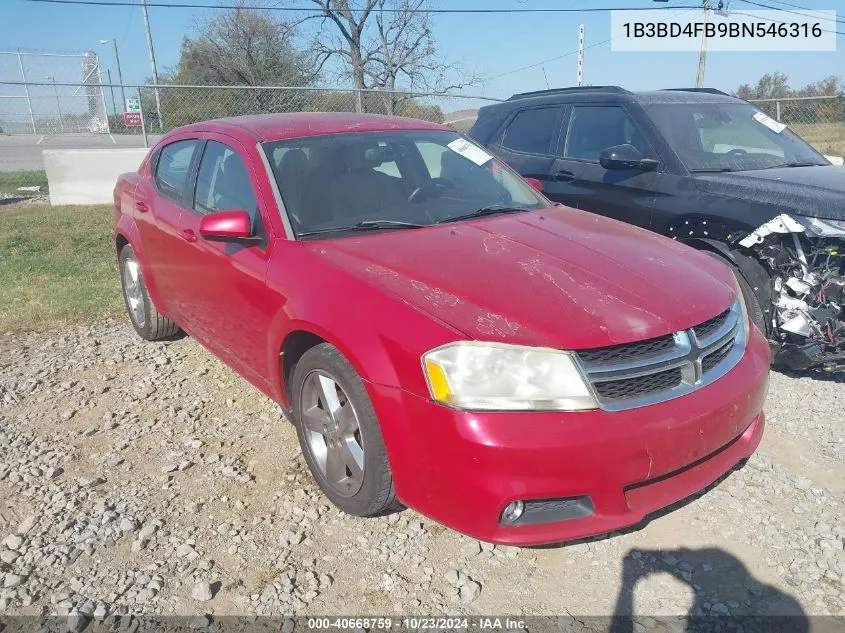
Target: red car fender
point(284, 327)
point(400, 438)
point(380, 355)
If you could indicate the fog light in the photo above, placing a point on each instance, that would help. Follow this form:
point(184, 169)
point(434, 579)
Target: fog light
point(513, 511)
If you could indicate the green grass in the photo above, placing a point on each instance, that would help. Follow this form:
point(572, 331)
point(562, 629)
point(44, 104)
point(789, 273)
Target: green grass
point(827, 138)
point(56, 264)
point(11, 180)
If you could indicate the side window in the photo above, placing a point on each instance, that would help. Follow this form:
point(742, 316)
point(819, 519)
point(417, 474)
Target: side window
point(173, 167)
point(223, 182)
point(532, 130)
point(595, 128)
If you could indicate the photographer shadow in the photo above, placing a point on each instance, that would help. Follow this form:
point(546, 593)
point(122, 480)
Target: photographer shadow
point(726, 595)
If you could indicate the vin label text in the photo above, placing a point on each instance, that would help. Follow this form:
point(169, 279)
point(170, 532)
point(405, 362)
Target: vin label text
point(683, 30)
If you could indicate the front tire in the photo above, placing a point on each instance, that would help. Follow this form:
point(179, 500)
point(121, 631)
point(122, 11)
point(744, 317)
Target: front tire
point(148, 322)
point(752, 301)
point(340, 435)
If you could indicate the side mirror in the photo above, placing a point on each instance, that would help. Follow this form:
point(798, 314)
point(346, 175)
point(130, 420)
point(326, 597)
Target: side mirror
point(228, 226)
point(626, 157)
point(535, 183)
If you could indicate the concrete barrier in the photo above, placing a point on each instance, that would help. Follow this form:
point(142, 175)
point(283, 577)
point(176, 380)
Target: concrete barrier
point(87, 176)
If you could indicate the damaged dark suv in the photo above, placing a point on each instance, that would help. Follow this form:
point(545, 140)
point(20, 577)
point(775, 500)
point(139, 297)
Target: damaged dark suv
point(707, 169)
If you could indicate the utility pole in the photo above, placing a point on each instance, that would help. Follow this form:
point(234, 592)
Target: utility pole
point(111, 88)
point(152, 62)
point(702, 45)
point(26, 92)
point(581, 55)
point(58, 104)
point(119, 73)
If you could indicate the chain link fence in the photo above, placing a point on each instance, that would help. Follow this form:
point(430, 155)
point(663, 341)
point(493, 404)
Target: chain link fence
point(53, 93)
point(818, 120)
point(165, 107)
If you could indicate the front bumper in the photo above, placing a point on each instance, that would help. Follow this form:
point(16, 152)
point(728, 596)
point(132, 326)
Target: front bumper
point(462, 468)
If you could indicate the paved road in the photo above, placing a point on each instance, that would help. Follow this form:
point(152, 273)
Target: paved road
point(24, 152)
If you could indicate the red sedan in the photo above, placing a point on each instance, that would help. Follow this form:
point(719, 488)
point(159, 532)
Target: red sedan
point(441, 335)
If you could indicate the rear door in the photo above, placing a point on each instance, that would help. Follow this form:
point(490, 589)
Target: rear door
point(529, 140)
point(580, 181)
point(158, 208)
point(228, 306)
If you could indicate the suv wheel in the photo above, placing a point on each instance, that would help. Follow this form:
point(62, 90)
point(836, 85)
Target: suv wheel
point(752, 300)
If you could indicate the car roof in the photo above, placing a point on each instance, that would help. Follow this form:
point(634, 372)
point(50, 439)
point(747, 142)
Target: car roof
point(614, 94)
point(276, 127)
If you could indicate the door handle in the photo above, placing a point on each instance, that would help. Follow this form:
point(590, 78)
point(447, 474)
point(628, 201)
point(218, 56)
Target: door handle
point(563, 176)
point(188, 235)
point(141, 207)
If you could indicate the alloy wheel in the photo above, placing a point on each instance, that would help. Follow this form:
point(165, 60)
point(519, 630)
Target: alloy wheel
point(133, 291)
point(332, 434)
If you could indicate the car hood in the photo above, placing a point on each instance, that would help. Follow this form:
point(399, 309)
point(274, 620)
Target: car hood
point(814, 191)
point(559, 277)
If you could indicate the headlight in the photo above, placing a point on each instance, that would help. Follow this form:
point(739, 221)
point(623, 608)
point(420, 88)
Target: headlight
point(740, 301)
point(494, 376)
point(822, 227)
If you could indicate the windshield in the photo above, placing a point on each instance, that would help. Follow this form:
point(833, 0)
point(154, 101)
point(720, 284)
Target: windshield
point(730, 137)
point(391, 180)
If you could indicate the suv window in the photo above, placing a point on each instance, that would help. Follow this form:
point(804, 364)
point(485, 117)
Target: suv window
point(223, 182)
point(531, 130)
point(173, 167)
point(595, 128)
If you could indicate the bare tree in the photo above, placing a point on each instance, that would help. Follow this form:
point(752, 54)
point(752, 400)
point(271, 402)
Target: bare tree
point(384, 43)
point(348, 42)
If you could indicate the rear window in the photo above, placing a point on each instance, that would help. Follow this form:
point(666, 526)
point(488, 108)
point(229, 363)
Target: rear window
point(486, 126)
point(531, 130)
point(172, 168)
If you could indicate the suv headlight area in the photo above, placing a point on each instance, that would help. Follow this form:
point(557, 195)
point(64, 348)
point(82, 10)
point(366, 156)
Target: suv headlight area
point(483, 376)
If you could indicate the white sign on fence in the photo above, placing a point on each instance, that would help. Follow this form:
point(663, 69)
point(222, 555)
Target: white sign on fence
point(133, 104)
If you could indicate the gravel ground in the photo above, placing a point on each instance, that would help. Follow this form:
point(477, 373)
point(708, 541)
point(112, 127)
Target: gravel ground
point(149, 478)
point(10, 199)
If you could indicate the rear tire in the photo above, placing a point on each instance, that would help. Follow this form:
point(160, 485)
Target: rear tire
point(148, 322)
point(340, 435)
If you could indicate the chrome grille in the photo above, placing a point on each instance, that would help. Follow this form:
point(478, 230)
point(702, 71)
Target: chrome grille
point(640, 349)
point(708, 327)
point(641, 385)
point(714, 358)
point(659, 369)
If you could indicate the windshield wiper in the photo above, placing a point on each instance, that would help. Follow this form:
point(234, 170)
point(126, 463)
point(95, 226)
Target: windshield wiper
point(493, 209)
point(711, 170)
point(796, 163)
point(366, 225)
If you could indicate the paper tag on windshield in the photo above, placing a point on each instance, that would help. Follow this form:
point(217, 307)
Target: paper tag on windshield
point(469, 151)
point(769, 122)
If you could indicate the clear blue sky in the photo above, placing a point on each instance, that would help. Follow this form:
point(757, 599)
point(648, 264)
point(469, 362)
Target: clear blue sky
point(490, 44)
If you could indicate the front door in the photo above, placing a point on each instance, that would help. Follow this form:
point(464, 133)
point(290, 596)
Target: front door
point(228, 306)
point(623, 194)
